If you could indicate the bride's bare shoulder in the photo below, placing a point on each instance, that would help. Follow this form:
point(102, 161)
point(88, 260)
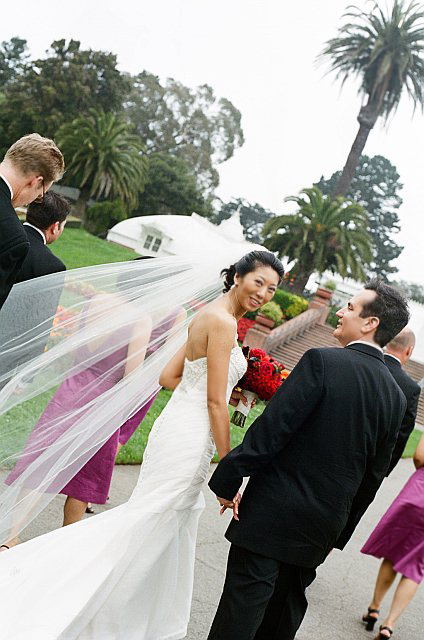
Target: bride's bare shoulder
point(216, 319)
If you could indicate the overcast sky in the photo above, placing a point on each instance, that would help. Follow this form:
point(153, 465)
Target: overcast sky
point(261, 55)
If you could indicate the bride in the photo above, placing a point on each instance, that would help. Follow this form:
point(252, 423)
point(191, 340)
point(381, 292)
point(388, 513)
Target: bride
point(128, 573)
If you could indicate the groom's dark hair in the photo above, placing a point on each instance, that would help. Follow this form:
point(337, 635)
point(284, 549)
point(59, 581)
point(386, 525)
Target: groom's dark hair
point(390, 307)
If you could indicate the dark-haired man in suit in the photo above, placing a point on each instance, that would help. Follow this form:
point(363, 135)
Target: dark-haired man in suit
point(45, 222)
point(315, 458)
point(29, 304)
point(397, 354)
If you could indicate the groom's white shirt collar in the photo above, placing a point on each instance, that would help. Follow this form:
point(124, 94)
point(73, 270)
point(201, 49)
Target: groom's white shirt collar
point(369, 344)
point(8, 184)
point(392, 356)
point(28, 224)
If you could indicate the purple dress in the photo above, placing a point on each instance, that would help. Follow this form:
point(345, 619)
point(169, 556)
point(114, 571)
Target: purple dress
point(399, 536)
point(92, 482)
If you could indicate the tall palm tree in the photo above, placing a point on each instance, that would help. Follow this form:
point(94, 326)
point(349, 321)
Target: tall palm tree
point(386, 51)
point(324, 234)
point(103, 159)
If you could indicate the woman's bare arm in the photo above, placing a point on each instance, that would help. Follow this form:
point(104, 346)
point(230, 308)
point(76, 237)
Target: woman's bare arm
point(137, 346)
point(171, 375)
point(220, 343)
point(419, 454)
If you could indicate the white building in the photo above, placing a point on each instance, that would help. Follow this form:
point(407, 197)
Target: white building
point(171, 235)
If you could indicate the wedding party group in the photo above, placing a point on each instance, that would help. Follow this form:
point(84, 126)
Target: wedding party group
point(314, 459)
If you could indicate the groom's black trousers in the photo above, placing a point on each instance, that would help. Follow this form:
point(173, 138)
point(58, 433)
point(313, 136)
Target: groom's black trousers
point(263, 598)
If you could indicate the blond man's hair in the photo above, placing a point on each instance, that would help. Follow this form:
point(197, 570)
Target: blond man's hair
point(35, 154)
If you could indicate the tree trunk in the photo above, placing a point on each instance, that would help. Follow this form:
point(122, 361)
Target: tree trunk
point(352, 160)
point(301, 274)
point(80, 206)
point(367, 117)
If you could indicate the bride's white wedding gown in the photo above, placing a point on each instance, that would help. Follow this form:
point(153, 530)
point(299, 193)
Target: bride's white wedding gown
point(125, 574)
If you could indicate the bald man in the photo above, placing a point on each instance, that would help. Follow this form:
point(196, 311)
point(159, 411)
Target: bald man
point(398, 352)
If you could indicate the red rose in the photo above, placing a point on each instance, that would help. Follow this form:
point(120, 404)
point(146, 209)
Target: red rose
point(257, 353)
point(266, 369)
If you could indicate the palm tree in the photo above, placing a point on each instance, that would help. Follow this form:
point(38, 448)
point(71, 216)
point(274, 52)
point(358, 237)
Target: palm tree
point(386, 51)
point(103, 159)
point(324, 233)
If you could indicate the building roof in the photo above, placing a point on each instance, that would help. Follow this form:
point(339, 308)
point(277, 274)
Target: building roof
point(179, 233)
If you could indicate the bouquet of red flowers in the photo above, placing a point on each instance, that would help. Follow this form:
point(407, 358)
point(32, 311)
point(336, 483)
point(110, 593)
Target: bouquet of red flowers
point(262, 378)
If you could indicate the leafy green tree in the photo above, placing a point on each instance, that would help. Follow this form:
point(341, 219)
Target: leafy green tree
point(192, 124)
point(13, 56)
point(54, 90)
point(101, 216)
point(252, 217)
point(411, 289)
point(172, 188)
point(324, 234)
point(376, 187)
point(386, 51)
point(103, 159)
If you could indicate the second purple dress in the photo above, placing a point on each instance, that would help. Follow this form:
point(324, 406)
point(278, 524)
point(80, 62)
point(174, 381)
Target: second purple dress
point(399, 536)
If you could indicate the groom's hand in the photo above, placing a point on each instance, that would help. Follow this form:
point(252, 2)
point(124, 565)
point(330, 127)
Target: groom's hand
point(230, 504)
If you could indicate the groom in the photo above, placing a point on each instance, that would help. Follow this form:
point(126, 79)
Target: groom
point(315, 457)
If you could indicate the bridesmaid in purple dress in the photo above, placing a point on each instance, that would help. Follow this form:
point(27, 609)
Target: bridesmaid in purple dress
point(92, 482)
point(399, 540)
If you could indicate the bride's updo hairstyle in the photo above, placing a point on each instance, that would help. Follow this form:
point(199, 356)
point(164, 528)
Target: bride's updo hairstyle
point(249, 263)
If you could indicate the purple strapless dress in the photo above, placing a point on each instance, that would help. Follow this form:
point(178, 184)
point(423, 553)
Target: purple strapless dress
point(399, 536)
point(92, 482)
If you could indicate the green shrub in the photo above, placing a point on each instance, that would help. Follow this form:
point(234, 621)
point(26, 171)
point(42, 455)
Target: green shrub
point(330, 285)
point(290, 304)
point(332, 319)
point(272, 311)
point(103, 215)
point(297, 307)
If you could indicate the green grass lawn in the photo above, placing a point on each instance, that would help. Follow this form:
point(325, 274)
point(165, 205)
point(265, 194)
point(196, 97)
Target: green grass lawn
point(411, 445)
point(78, 248)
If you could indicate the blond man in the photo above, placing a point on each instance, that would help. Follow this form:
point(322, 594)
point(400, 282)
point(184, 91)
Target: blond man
point(27, 172)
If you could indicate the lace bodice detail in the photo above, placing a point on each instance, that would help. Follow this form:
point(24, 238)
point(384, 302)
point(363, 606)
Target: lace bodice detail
point(195, 370)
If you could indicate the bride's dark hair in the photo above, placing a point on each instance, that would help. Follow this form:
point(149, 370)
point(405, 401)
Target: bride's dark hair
point(249, 263)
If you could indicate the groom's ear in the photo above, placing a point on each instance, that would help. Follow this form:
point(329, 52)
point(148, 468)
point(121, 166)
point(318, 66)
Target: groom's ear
point(371, 324)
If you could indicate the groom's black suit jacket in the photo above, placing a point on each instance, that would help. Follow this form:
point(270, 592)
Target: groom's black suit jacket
point(412, 392)
point(14, 244)
point(316, 456)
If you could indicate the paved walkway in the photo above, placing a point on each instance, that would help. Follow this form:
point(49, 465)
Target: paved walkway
point(338, 596)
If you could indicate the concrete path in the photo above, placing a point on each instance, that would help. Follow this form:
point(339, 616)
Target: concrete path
point(337, 598)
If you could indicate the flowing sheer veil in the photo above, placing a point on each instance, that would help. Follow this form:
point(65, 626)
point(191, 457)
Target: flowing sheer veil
point(122, 321)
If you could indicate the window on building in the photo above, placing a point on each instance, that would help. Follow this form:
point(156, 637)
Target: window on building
point(156, 244)
point(148, 242)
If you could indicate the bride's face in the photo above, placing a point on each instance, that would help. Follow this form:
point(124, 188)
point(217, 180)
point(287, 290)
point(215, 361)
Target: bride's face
point(256, 287)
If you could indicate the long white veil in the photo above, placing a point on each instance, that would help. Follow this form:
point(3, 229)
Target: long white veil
point(80, 353)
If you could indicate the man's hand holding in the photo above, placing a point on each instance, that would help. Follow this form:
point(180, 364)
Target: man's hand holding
point(230, 504)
